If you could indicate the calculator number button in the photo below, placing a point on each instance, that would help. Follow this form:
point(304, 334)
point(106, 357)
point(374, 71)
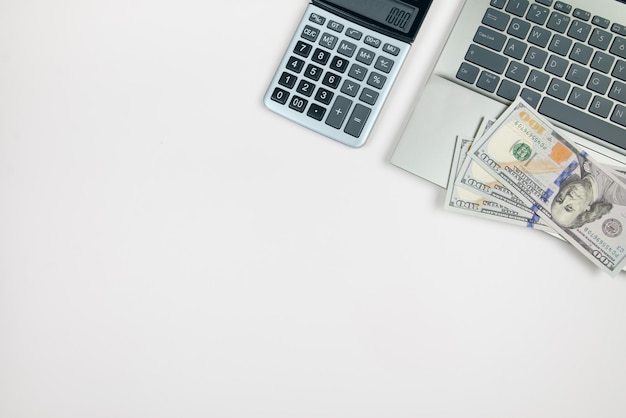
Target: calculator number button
point(331, 80)
point(316, 112)
point(310, 33)
point(303, 49)
point(313, 72)
point(324, 96)
point(339, 64)
point(365, 56)
point(350, 88)
point(338, 112)
point(383, 64)
point(376, 80)
point(306, 88)
point(298, 104)
point(357, 71)
point(328, 41)
point(347, 48)
point(280, 96)
point(287, 80)
point(320, 56)
point(357, 120)
point(295, 64)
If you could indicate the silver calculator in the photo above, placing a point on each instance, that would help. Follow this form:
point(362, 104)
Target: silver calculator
point(341, 64)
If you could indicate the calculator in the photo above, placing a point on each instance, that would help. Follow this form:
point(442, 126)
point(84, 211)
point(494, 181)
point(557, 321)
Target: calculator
point(341, 63)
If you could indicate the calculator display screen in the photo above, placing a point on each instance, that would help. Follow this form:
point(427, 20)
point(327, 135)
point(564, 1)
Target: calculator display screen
point(391, 13)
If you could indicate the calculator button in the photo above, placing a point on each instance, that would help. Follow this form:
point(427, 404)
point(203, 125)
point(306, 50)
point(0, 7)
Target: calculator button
point(328, 41)
point(320, 56)
point(368, 96)
point(313, 72)
point(354, 34)
point(336, 26)
point(280, 95)
point(391, 49)
point(298, 104)
point(383, 64)
point(376, 80)
point(324, 96)
point(371, 41)
point(287, 80)
point(365, 56)
point(357, 71)
point(310, 33)
point(295, 64)
point(339, 64)
point(350, 88)
point(316, 112)
point(303, 49)
point(331, 80)
point(338, 112)
point(306, 88)
point(357, 120)
point(315, 18)
point(347, 48)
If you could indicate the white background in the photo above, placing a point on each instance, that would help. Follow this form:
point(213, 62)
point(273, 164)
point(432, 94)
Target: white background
point(170, 248)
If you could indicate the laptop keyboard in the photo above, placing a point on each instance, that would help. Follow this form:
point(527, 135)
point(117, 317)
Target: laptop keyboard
point(566, 62)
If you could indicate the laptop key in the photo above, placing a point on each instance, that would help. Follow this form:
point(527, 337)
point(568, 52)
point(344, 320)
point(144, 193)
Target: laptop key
point(585, 122)
point(496, 19)
point(508, 90)
point(468, 73)
point(487, 59)
point(531, 97)
point(619, 115)
point(488, 81)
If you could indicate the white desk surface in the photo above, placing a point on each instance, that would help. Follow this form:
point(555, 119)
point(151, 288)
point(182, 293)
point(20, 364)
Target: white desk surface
point(170, 248)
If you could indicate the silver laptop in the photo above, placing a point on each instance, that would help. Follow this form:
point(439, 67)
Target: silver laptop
point(567, 59)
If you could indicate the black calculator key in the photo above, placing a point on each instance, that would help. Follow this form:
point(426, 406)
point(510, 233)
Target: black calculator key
point(288, 80)
point(280, 96)
point(324, 96)
point(316, 112)
point(306, 88)
point(339, 64)
point(313, 72)
point(310, 33)
point(368, 96)
point(295, 64)
point(357, 120)
point(303, 49)
point(298, 104)
point(338, 112)
point(331, 80)
point(320, 56)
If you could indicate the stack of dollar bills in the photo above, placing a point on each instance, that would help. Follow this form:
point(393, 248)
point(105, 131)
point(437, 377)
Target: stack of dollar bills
point(520, 170)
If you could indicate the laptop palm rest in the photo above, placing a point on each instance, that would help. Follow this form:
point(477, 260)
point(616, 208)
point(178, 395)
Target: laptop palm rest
point(430, 128)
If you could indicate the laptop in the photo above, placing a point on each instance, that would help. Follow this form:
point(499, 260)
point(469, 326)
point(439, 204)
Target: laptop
point(566, 59)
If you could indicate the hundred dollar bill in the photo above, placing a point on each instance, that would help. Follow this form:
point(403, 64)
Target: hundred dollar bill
point(581, 200)
point(469, 202)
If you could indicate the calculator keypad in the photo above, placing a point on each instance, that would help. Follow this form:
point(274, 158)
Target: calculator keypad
point(335, 76)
